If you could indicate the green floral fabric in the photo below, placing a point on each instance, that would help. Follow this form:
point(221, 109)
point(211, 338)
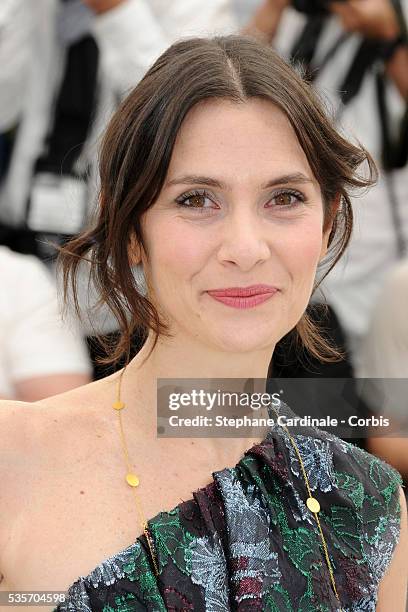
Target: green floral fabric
point(247, 541)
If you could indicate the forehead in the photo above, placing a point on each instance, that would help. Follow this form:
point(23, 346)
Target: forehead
point(252, 138)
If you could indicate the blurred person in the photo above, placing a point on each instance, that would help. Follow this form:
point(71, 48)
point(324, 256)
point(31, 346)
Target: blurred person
point(84, 56)
point(15, 40)
point(384, 357)
point(224, 185)
point(39, 354)
point(15, 31)
point(355, 53)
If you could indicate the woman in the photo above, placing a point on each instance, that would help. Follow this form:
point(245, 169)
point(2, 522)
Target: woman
point(219, 172)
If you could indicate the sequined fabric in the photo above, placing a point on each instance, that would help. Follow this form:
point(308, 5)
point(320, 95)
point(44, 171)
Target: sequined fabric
point(248, 542)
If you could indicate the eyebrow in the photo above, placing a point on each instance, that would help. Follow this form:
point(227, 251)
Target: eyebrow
point(208, 181)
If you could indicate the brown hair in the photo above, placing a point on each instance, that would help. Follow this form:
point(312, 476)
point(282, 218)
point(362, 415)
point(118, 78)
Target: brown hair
point(135, 157)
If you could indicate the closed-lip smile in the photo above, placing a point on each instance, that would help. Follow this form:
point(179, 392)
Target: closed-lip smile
point(243, 297)
point(261, 289)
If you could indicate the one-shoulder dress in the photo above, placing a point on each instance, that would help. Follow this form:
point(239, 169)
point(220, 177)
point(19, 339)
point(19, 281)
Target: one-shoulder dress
point(247, 541)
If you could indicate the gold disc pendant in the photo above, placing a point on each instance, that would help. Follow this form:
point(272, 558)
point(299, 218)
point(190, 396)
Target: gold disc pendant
point(313, 504)
point(132, 479)
point(118, 405)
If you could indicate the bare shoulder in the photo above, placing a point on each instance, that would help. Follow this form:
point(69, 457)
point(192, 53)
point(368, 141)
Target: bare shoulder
point(24, 424)
point(392, 592)
point(67, 422)
point(35, 436)
point(12, 416)
point(18, 430)
point(17, 435)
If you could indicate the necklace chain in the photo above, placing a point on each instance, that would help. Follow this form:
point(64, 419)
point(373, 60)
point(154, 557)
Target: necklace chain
point(314, 506)
point(131, 478)
point(133, 481)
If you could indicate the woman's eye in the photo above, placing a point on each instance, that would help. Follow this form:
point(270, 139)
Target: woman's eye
point(201, 201)
point(195, 200)
point(287, 199)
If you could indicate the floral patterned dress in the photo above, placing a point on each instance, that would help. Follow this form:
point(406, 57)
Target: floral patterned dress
point(247, 541)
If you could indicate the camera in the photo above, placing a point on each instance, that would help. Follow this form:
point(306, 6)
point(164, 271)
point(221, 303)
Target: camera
point(313, 7)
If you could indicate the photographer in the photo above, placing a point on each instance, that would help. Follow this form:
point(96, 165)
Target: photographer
point(80, 58)
point(356, 54)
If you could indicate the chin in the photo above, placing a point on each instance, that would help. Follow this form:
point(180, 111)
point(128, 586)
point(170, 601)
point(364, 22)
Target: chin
point(239, 340)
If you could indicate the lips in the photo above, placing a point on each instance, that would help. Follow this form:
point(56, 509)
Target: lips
point(243, 292)
point(243, 297)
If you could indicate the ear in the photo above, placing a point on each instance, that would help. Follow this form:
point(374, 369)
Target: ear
point(332, 212)
point(134, 251)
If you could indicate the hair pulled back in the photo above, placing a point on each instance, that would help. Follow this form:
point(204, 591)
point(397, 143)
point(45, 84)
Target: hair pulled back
point(135, 156)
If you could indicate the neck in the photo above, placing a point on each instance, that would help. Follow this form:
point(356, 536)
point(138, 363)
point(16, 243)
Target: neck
point(186, 358)
point(189, 358)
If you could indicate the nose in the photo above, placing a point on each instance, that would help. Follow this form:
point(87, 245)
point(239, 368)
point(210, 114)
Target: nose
point(244, 242)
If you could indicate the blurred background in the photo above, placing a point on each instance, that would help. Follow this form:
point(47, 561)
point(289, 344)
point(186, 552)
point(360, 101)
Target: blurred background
point(64, 67)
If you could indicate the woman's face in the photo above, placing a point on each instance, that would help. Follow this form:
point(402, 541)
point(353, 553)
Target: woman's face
point(239, 208)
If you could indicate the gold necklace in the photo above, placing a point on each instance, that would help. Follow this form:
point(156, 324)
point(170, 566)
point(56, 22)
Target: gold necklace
point(131, 478)
point(133, 481)
point(314, 506)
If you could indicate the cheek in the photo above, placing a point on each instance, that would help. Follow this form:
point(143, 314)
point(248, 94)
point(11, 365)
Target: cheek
point(301, 253)
point(177, 251)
